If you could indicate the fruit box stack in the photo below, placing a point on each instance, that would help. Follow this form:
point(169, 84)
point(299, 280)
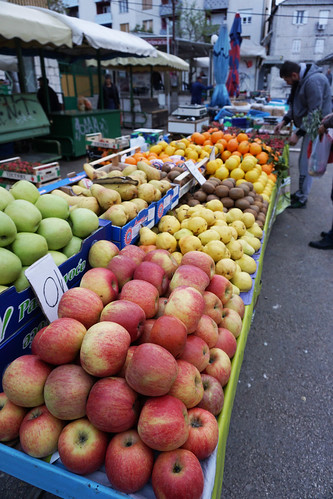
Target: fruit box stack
point(17, 169)
point(97, 146)
point(17, 309)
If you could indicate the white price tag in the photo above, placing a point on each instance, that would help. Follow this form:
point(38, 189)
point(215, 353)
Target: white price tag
point(212, 154)
point(195, 171)
point(48, 284)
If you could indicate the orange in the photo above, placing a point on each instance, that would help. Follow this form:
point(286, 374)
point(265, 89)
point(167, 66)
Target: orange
point(199, 138)
point(232, 145)
point(227, 136)
point(244, 147)
point(207, 142)
point(262, 158)
point(216, 136)
point(206, 135)
point(272, 176)
point(220, 147)
point(267, 168)
point(255, 148)
point(225, 155)
point(236, 153)
point(242, 136)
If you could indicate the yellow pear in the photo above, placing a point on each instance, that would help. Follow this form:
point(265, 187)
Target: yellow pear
point(208, 215)
point(243, 281)
point(181, 233)
point(224, 231)
point(141, 204)
point(130, 208)
point(247, 248)
point(166, 241)
point(169, 224)
point(116, 214)
point(182, 212)
point(253, 241)
point(209, 235)
point(247, 264)
point(189, 243)
point(248, 219)
point(147, 236)
point(146, 192)
point(234, 214)
point(236, 249)
point(239, 226)
point(226, 267)
point(216, 249)
point(197, 225)
point(177, 256)
point(214, 205)
point(256, 230)
point(235, 290)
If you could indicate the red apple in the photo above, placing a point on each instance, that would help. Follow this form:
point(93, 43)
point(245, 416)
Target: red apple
point(104, 348)
point(236, 303)
point(170, 333)
point(187, 387)
point(219, 366)
point(177, 474)
point(82, 447)
point(213, 306)
point(231, 320)
point(221, 287)
point(196, 352)
point(187, 304)
point(123, 268)
point(112, 405)
point(213, 397)
point(128, 462)
point(148, 247)
point(164, 259)
point(101, 252)
point(189, 275)
point(145, 336)
point(163, 423)
point(39, 432)
point(226, 342)
point(153, 273)
point(151, 370)
point(81, 304)
point(204, 433)
point(11, 417)
point(143, 294)
point(33, 345)
point(126, 313)
point(66, 391)
point(103, 282)
point(199, 259)
point(129, 355)
point(134, 252)
point(207, 330)
point(162, 301)
point(60, 342)
point(24, 379)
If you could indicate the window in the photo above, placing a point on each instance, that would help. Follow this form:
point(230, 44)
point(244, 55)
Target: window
point(147, 4)
point(124, 27)
point(103, 8)
point(296, 47)
point(123, 6)
point(246, 16)
point(300, 17)
point(147, 25)
point(323, 17)
point(319, 46)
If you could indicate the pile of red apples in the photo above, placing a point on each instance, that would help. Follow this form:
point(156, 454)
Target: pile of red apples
point(131, 374)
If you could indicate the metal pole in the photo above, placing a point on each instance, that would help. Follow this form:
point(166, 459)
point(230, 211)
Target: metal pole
point(45, 85)
point(151, 82)
point(21, 70)
point(100, 84)
point(173, 27)
point(132, 97)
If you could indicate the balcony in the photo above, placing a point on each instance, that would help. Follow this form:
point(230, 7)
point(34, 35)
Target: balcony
point(214, 5)
point(103, 19)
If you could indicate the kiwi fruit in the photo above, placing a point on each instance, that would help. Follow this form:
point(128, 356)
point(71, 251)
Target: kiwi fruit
point(245, 187)
point(200, 196)
point(210, 197)
point(208, 187)
point(261, 216)
point(236, 193)
point(254, 213)
point(222, 191)
point(228, 202)
point(260, 223)
point(193, 202)
point(242, 204)
point(255, 208)
point(258, 203)
point(173, 174)
point(228, 183)
point(166, 168)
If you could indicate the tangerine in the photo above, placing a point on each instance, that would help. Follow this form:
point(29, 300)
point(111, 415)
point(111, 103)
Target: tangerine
point(255, 148)
point(130, 160)
point(262, 157)
point(241, 137)
point(244, 147)
point(228, 136)
point(232, 145)
point(225, 155)
point(216, 136)
point(267, 168)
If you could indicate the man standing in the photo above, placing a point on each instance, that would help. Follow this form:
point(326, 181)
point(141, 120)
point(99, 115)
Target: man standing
point(196, 91)
point(53, 98)
point(110, 94)
point(310, 91)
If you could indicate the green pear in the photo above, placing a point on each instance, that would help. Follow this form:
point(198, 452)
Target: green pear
point(23, 189)
point(116, 214)
point(182, 233)
point(10, 266)
point(73, 247)
point(52, 206)
point(247, 248)
point(29, 247)
point(58, 257)
point(243, 281)
point(84, 222)
point(147, 236)
point(56, 231)
point(7, 230)
point(209, 235)
point(21, 282)
point(255, 230)
point(24, 214)
point(252, 241)
point(5, 198)
point(247, 264)
point(235, 290)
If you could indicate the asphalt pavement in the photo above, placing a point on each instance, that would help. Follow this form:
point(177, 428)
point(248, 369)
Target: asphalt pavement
point(280, 442)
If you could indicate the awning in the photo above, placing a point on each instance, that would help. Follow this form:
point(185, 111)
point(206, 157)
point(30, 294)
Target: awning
point(251, 49)
point(32, 30)
point(162, 62)
point(325, 60)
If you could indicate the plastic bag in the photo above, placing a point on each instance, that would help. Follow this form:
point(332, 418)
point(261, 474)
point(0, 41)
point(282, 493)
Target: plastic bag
point(321, 148)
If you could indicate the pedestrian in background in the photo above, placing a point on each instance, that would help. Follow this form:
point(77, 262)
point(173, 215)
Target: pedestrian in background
point(196, 90)
point(327, 237)
point(310, 91)
point(110, 95)
point(329, 76)
point(53, 98)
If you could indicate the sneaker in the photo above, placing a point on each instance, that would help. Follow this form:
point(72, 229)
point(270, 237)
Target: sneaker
point(293, 196)
point(325, 243)
point(296, 203)
point(324, 234)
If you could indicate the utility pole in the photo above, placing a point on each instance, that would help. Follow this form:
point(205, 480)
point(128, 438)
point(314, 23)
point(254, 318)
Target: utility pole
point(173, 51)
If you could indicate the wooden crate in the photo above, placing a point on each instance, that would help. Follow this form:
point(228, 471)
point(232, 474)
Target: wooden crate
point(40, 175)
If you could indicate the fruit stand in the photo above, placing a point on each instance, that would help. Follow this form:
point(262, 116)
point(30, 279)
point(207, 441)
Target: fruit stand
point(54, 477)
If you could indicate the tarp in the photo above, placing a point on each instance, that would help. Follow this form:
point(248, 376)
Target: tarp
point(33, 30)
point(234, 56)
point(251, 49)
point(162, 62)
point(220, 95)
point(87, 37)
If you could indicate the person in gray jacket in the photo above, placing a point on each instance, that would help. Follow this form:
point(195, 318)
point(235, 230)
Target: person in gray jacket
point(310, 90)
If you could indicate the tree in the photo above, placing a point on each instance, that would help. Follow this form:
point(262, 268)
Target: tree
point(192, 23)
point(57, 6)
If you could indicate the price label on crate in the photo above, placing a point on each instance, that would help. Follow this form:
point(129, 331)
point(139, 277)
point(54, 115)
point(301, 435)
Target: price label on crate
point(48, 284)
point(212, 154)
point(195, 172)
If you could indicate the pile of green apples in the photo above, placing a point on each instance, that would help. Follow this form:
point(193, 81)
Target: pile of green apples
point(32, 225)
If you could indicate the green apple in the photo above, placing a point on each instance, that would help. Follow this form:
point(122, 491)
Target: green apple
point(5, 198)
point(24, 214)
point(58, 257)
point(29, 247)
point(52, 206)
point(73, 247)
point(7, 230)
point(83, 221)
point(23, 189)
point(56, 231)
point(21, 282)
point(10, 266)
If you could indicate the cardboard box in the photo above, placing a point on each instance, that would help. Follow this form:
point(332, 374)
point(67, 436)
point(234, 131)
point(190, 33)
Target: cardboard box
point(129, 233)
point(18, 308)
point(167, 202)
point(39, 174)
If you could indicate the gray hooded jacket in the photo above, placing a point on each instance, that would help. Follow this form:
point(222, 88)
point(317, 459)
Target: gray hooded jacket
point(312, 92)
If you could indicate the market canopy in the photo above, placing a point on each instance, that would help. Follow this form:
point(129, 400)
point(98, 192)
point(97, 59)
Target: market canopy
point(162, 62)
point(32, 30)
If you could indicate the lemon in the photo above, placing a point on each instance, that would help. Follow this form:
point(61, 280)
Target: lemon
point(192, 155)
point(169, 150)
point(157, 149)
point(240, 181)
point(219, 161)
point(211, 167)
point(252, 175)
point(232, 162)
point(258, 187)
point(247, 164)
point(181, 145)
point(204, 154)
point(222, 172)
point(237, 173)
